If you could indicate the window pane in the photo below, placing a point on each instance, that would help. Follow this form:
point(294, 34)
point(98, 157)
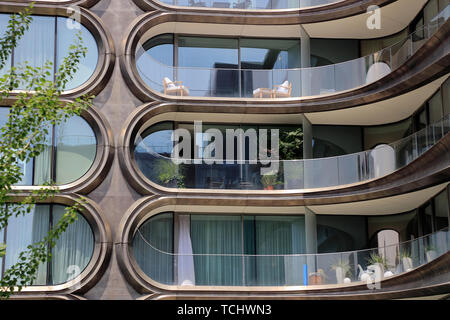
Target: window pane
point(43, 162)
point(405, 224)
point(67, 31)
point(207, 53)
point(441, 210)
point(341, 233)
point(430, 11)
point(270, 53)
point(275, 235)
point(37, 45)
point(446, 96)
point(153, 239)
point(4, 19)
point(428, 219)
point(154, 61)
point(217, 235)
point(386, 134)
point(23, 231)
point(73, 250)
point(435, 107)
point(76, 148)
point(330, 141)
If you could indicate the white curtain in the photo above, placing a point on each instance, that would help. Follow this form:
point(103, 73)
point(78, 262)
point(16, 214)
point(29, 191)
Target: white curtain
point(23, 231)
point(186, 272)
point(42, 163)
point(73, 250)
point(37, 45)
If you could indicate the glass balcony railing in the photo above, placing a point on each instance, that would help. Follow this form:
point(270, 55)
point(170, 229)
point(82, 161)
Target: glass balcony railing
point(250, 4)
point(289, 174)
point(281, 83)
point(344, 268)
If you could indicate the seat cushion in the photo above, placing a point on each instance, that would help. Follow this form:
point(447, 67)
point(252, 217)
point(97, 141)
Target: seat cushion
point(284, 88)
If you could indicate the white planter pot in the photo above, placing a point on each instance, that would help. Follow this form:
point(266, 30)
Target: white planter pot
point(431, 255)
point(340, 274)
point(407, 264)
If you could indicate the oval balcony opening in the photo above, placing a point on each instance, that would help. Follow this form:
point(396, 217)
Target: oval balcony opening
point(212, 247)
point(186, 155)
point(180, 65)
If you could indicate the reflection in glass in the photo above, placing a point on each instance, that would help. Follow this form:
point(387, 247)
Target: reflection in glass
point(48, 40)
point(69, 152)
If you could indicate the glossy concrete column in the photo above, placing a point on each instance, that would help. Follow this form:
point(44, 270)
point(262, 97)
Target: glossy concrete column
point(311, 238)
point(305, 52)
point(307, 139)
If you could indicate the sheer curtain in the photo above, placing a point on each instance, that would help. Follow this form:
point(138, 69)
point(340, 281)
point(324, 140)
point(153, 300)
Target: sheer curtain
point(4, 19)
point(73, 250)
point(23, 231)
point(277, 236)
point(153, 239)
point(76, 148)
point(42, 163)
point(217, 235)
point(38, 40)
point(186, 273)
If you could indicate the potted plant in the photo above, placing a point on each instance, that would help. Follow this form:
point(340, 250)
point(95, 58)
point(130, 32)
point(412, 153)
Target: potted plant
point(342, 269)
point(431, 253)
point(406, 261)
point(376, 261)
point(269, 181)
point(169, 174)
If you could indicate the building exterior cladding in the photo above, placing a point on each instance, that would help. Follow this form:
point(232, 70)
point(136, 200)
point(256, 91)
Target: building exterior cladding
point(369, 180)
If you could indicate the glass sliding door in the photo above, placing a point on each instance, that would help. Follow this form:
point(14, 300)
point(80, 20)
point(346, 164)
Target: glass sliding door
point(267, 61)
point(217, 246)
point(207, 66)
point(270, 237)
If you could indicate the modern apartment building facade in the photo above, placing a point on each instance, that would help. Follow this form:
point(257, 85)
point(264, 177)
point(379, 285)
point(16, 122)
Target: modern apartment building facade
point(351, 96)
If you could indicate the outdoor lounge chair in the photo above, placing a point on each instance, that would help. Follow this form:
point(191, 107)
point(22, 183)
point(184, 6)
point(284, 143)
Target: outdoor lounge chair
point(174, 88)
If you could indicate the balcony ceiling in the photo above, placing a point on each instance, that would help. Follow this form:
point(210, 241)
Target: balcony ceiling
point(394, 18)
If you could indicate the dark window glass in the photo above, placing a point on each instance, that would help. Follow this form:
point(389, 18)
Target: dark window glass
point(435, 107)
point(341, 233)
point(427, 216)
point(330, 141)
point(446, 96)
point(441, 210)
point(405, 224)
point(386, 134)
point(331, 51)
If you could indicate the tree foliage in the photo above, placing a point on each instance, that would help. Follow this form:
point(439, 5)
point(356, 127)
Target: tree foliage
point(36, 107)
